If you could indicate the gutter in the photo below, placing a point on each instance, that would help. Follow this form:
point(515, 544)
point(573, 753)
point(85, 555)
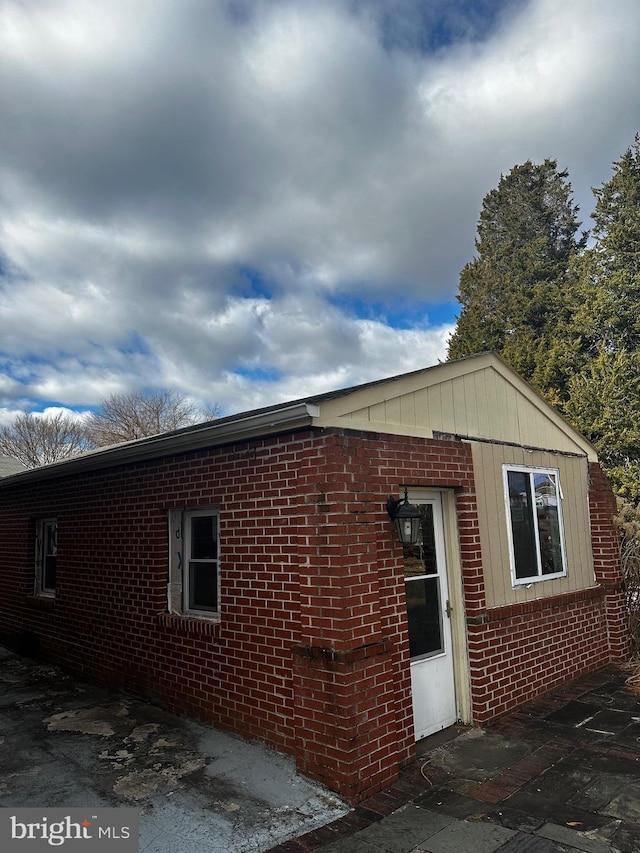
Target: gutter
point(197, 437)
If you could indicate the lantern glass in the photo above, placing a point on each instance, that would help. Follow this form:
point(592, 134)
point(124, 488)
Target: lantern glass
point(408, 521)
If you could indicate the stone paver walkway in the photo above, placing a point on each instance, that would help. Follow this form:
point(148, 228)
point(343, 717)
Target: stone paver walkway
point(560, 774)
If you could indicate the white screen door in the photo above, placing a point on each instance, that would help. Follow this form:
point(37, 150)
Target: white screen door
point(428, 609)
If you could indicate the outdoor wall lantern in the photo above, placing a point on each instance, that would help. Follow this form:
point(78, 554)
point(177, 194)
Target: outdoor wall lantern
point(407, 518)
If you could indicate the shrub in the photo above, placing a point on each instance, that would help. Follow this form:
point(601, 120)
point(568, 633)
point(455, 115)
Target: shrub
point(628, 523)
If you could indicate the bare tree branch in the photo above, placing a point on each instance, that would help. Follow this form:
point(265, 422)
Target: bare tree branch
point(40, 440)
point(124, 417)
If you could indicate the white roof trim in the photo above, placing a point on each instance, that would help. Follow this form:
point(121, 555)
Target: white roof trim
point(295, 415)
point(166, 444)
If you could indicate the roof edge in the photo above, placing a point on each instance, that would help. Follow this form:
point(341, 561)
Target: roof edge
point(192, 438)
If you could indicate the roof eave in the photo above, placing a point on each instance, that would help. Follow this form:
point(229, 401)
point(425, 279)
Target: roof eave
point(199, 437)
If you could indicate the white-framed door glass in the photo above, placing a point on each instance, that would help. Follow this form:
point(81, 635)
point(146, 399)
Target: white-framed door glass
point(428, 617)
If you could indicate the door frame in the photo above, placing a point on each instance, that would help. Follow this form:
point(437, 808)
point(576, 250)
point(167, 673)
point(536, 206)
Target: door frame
point(460, 651)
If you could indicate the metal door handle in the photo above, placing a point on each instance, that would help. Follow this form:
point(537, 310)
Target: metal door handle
point(448, 609)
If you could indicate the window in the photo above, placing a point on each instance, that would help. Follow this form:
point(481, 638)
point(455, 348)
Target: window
point(422, 582)
point(194, 564)
point(534, 519)
point(46, 556)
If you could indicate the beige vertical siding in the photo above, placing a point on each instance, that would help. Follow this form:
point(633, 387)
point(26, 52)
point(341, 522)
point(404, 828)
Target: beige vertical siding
point(482, 403)
point(488, 461)
point(483, 398)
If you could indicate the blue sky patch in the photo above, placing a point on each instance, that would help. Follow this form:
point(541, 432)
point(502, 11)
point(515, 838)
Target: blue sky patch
point(434, 26)
point(251, 284)
point(258, 374)
point(406, 316)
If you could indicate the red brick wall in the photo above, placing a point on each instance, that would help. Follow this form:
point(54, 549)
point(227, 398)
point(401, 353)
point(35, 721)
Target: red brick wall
point(523, 650)
point(520, 651)
point(112, 575)
point(606, 558)
point(354, 708)
point(311, 654)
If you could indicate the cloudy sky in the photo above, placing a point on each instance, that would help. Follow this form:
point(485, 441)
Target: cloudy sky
point(250, 201)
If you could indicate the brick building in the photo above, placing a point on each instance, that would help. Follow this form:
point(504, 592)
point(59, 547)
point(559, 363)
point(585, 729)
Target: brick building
point(246, 572)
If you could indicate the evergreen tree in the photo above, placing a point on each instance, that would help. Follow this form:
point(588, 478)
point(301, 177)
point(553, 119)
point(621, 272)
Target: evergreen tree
point(604, 404)
point(565, 316)
point(604, 394)
point(608, 316)
point(527, 236)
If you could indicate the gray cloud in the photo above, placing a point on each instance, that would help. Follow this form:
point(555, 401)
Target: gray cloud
point(187, 187)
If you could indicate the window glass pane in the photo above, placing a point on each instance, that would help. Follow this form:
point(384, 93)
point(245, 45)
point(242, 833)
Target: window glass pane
point(203, 586)
point(51, 546)
point(420, 559)
point(203, 537)
point(49, 556)
point(428, 540)
point(522, 525)
point(49, 573)
point(423, 609)
point(548, 523)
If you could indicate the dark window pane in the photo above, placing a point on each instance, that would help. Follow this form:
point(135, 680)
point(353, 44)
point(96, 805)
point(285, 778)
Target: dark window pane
point(522, 525)
point(49, 573)
point(548, 524)
point(203, 586)
point(203, 537)
point(50, 537)
point(423, 609)
point(428, 540)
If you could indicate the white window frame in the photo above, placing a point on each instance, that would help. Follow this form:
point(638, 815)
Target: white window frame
point(178, 592)
point(531, 472)
point(43, 526)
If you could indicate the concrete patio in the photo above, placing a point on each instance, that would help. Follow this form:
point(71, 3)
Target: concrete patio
point(65, 742)
point(560, 774)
